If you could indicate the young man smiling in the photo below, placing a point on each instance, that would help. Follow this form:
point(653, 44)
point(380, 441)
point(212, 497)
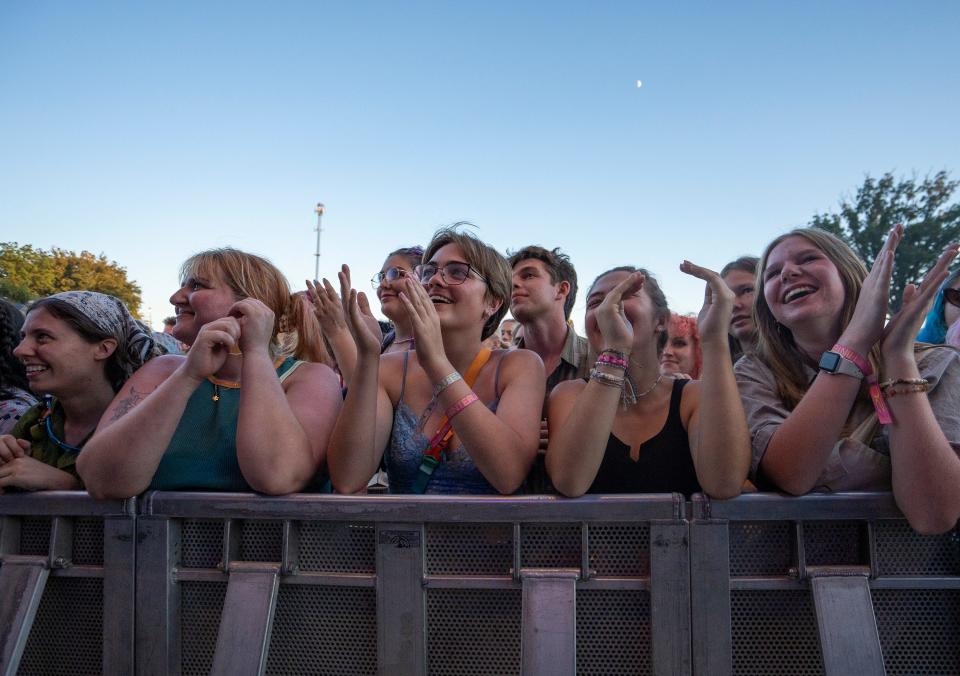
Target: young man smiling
point(541, 299)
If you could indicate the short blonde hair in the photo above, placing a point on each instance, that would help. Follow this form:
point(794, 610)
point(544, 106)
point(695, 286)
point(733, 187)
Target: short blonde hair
point(483, 258)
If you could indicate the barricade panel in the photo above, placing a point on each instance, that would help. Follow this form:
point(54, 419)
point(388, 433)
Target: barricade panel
point(613, 632)
point(473, 631)
point(919, 630)
point(469, 549)
point(774, 633)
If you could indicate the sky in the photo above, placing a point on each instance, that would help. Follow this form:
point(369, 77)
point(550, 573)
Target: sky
point(624, 133)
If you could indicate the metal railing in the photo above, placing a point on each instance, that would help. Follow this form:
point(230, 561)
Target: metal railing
point(202, 583)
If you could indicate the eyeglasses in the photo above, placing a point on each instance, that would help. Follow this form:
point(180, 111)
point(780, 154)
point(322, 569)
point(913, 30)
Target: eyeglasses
point(952, 296)
point(452, 273)
point(389, 275)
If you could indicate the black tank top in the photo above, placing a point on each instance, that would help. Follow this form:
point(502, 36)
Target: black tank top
point(663, 466)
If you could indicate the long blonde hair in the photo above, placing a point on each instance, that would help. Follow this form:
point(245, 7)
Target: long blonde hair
point(775, 345)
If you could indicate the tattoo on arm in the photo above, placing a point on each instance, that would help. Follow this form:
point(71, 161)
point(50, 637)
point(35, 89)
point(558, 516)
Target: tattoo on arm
point(126, 405)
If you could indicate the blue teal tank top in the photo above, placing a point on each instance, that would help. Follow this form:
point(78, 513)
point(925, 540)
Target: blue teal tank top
point(202, 455)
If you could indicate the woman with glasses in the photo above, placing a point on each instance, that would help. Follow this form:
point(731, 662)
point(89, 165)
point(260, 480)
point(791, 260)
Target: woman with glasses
point(453, 416)
point(237, 413)
point(837, 396)
point(944, 313)
point(329, 310)
point(78, 349)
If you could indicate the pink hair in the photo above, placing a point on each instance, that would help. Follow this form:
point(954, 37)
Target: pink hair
point(685, 326)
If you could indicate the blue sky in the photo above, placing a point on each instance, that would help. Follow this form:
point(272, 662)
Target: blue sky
point(148, 131)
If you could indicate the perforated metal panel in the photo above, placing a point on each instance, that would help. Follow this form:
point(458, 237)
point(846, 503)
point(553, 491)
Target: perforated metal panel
point(613, 632)
point(902, 551)
point(200, 606)
point(761, 548)
point(67, 633)
point(774, 632)
point(261, 541)
point(835, 543)
point(473, 631)
point(469, 549)
point(919, 630)
point(550, 545)
point(337, 547)
point(201, 543)
point(620, 550)
point(35, 535)
point(88, 541)
point(324, 630)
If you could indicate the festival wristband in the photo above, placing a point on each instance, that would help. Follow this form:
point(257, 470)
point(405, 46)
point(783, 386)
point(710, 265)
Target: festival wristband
point(460, 405)
point(876, 394)
point(446, 382)
point(853, 356)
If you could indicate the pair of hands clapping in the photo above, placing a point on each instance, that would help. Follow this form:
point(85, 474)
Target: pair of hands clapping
point(869, 324)
point(712, 322)
point(247, 328)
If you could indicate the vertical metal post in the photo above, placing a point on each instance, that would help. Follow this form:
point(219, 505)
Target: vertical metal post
point(319, 211)
point(119, 602)
point(849, 640)
point(401, 612)
point(670, 598)
point(710, 598)
point(158, 597)
point(549, 643)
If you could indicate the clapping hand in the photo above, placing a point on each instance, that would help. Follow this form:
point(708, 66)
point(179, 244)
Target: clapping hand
point(713, 322)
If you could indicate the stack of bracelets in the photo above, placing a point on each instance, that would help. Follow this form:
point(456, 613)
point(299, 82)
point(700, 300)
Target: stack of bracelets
point(895, 386)
point(616, 359)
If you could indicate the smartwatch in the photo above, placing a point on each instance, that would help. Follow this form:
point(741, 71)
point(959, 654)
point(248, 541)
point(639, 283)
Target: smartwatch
point(834, 363)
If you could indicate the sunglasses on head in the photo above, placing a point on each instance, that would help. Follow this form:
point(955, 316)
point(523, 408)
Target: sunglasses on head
point(388, 275)
point(952, 296)
point(453, 273)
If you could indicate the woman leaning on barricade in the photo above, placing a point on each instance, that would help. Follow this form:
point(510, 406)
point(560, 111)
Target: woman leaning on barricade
point(78, 348)
point(453, 417)
point(631, 429)
point(235, 413)
point(837, 397)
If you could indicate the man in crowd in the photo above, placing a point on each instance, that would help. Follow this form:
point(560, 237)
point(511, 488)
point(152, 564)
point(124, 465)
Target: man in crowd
point(544, 291)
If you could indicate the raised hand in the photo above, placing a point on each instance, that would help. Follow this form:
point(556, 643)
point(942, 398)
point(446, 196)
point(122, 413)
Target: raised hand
point(367, 340)
point(713, 322)
point(423, 321)
point(327, 307)
point(870, 314)
point(900, 333)
point(215, 341)
point(256, 323)
point(612, 320)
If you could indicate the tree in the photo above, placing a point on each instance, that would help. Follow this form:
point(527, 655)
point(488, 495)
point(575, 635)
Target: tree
point(27, 273)
point(930, 223)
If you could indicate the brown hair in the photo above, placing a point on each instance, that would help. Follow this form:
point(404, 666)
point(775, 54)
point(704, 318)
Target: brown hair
point(775, 344)
point(252, 276)
point(483, 258)
point(746, 264)
point(652, 287)
point(558, 265)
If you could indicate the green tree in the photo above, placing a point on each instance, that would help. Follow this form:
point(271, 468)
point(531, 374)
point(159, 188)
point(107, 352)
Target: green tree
point(27, 273)
point(930, 223)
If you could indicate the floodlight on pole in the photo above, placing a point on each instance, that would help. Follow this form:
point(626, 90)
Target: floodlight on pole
point(319, 229)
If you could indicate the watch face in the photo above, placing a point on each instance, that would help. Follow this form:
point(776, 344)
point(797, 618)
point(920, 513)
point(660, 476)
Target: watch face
point(830, 361)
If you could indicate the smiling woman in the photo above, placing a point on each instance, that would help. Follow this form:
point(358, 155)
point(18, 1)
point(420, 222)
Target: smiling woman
point(78, 348)
point(836, 396)
point(454, 301)
point(237, 413)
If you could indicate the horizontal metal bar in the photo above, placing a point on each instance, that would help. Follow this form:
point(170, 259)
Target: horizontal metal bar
point(415, 509)
point(765, 583)
point(63, 503)
point(915, 583)
point(815, 506)
point(304, 578)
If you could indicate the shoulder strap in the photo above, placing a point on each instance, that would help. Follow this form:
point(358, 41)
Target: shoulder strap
point(441, 438)
point(403, 379)
point(293, 367)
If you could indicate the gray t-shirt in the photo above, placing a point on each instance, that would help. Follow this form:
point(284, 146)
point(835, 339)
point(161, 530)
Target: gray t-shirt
point(860, 461)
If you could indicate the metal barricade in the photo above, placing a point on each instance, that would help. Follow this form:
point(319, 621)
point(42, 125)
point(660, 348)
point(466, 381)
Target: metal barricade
point(230, 583)
point(835, 584)
point(66, 584)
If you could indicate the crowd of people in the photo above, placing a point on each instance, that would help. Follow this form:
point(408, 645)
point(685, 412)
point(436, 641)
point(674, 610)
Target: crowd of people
point(794, 377)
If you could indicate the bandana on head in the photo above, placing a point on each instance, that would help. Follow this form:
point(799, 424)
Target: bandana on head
point(135, 344)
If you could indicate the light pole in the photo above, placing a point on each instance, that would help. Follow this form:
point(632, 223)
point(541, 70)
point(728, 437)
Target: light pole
point(319, 212)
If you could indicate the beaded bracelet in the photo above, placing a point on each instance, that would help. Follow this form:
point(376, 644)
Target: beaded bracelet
point(910, 387)
point(460, 405)
point(619, 354)
point(446, 382)
point(606, 379)
point(903, 381)
point(612, 361)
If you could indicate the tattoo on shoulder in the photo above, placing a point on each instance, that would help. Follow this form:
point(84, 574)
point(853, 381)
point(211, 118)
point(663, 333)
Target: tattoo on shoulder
point(127, 404)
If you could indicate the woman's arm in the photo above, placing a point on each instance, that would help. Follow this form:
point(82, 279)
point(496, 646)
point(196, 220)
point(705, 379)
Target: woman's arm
point(717, 426)
point(121, 458)
point(362, 428)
